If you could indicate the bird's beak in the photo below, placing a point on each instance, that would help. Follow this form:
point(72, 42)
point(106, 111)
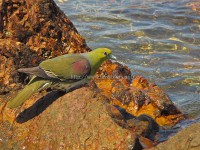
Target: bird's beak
point(112, 57)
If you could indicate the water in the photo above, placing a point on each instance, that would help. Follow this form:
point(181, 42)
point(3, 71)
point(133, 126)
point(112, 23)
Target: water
point(157, 39)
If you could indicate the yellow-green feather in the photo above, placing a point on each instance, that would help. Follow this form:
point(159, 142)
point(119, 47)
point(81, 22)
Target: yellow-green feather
point(96, 58)
point(61, 66)
point(33, 86)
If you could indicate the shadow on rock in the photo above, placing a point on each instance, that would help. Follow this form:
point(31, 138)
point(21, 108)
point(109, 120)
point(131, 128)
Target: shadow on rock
point(39, 106)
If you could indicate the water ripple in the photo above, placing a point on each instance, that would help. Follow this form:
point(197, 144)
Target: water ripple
point(158, 39)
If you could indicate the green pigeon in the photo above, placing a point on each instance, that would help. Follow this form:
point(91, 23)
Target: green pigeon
point(66, 72)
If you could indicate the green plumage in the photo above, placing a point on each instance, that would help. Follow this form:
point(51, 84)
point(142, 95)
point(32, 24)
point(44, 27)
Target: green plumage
point(63, 67)
point(66, 72)
point(35, 85)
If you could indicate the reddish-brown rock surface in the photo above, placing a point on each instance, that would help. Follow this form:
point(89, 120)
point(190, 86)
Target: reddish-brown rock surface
point(137, 95)
point(70, 122)
point(32, 31)
point(187, 138)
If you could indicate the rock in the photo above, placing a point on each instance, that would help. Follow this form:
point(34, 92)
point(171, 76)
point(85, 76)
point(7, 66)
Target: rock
point(13, 56)
point(145, 126)
point(73, 121)
point(187, 138)
point(137, 96)
point(31, 31)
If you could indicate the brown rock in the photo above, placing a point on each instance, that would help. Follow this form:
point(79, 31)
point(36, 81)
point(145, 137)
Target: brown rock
point(137, 96)
point(31, 31)
point(188, 139)
point(73, 121)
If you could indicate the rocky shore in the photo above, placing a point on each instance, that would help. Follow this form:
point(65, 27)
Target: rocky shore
point(114, 111)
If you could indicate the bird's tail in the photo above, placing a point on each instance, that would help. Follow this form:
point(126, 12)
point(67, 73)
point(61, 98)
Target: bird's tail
point(36, 84)
point(32, 70)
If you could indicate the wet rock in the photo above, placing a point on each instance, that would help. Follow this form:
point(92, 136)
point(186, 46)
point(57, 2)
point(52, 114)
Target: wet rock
point(145, 126)
point(137, 96)
point(142, 125)
point(188, 139)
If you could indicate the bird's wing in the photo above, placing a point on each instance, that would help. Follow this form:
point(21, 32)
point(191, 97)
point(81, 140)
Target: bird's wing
point(67, 67)
point(34, 71)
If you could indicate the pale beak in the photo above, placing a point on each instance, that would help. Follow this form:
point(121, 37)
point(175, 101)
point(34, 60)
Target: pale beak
point(112, 57)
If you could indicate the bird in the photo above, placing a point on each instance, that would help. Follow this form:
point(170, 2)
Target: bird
point(65, 73)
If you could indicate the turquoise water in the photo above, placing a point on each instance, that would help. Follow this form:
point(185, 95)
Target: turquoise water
point(157, 39)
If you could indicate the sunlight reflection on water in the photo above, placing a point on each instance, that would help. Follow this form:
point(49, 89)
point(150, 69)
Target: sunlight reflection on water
point(158, 39)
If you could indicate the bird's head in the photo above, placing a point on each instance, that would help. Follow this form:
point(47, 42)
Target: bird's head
point(103, 54)
point(97, 57)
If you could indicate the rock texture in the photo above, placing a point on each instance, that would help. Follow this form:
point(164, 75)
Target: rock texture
point(187, 139)
point(70, 122)
point(137, 95)
point(30, 32)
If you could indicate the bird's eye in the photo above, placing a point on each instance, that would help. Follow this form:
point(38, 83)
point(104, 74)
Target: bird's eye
point(105, 53)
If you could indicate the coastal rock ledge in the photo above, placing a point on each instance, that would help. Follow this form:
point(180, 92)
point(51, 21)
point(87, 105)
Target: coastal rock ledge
point(114, 111)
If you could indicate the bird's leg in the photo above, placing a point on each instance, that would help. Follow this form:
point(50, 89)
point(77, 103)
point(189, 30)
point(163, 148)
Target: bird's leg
point(68, 87)
point(76, 85)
